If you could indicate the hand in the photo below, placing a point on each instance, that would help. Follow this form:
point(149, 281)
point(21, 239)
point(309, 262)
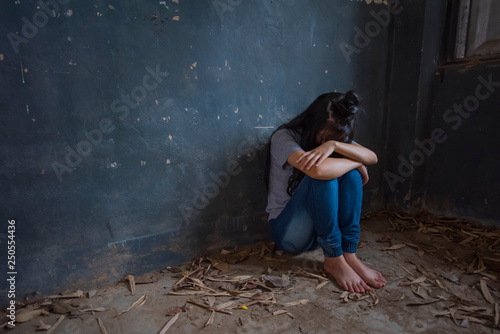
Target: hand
point(316, 156)
point(364, 174)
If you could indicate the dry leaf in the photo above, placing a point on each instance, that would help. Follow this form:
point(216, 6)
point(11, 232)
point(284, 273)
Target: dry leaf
point(394, 247)
point(169, 324)
point(135, 304)
point(131, 281)
point(196, 293)
point(101, 326)
point(277, 281)
point(405, 269)
point(497, 314)
point(466, 241)
point(322, 284)
point(297, 302)
point(488, 275)
point(493, 285)
point(419, 250)
point(76, 294)
point(54, 326)
point(210, 319)
point(345, 296)
point(305, 273)
point(416, 281)
point(416, 289)
point(223, 306)
point(283, 312)
point(263, 296)
point(465, 297)
point(439, 284)
point(97, 309)
point(208, 307)
point(375, 300)
point(25, 315)
point(62, 308)
point(425, 302)
point(486, 291)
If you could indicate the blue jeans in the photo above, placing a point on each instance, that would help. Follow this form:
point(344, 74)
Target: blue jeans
point(324, 213)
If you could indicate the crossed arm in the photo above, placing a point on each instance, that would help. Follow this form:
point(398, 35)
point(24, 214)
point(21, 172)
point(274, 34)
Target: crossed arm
point(317, 164)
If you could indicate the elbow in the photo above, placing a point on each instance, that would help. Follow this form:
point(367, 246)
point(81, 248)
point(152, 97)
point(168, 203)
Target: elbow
point(320, 173)
point(372, 159)
point(316, 172)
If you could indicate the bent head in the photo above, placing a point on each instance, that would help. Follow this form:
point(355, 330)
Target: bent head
point(330, 117)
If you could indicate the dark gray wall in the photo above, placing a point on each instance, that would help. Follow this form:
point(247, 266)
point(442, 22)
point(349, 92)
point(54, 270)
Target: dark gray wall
point(461, 177)
point(442, 149)
point(131, 132)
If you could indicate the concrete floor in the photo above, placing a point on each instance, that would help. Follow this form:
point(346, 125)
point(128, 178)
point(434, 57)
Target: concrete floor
point(451, 298)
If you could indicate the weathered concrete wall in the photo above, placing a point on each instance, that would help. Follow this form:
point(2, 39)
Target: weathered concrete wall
point(131, 132)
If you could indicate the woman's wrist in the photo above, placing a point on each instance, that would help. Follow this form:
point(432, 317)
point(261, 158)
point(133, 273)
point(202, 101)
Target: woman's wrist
point(333, 144)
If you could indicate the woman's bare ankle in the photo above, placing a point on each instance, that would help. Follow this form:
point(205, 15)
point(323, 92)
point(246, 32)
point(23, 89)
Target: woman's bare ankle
point(370, 276)
point(344, 274)
point(351, 257)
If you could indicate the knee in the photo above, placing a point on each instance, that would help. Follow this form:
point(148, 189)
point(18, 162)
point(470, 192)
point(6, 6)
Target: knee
point(326, 185)
point(352, 177)
point(294, 240)
point(291, 248)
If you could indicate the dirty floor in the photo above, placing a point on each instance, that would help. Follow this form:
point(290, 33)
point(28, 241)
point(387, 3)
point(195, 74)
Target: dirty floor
point(441, 274)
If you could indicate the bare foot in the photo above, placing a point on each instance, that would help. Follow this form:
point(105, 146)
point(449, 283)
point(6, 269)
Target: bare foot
point(372, 277)
point(345, 276)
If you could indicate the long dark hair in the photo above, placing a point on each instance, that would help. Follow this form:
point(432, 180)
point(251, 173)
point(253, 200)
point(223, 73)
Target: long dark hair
point(334, 114)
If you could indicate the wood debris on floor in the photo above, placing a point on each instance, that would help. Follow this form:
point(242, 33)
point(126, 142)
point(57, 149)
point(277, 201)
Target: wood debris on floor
point(437, 266)
point(479, 254)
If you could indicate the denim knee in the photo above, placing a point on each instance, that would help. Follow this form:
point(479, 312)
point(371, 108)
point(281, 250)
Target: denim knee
point(352, 177)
